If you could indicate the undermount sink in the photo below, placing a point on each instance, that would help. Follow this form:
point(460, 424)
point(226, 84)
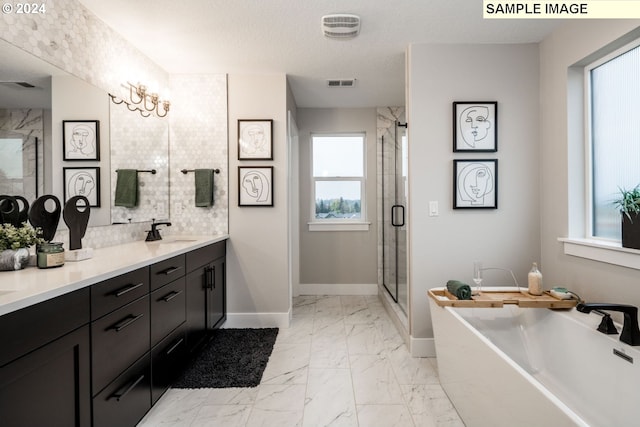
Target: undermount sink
point(178, 240)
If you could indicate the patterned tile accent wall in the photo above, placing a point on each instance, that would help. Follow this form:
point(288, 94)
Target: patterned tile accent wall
point(198, 141)
point(70, 37)
point(73, 39)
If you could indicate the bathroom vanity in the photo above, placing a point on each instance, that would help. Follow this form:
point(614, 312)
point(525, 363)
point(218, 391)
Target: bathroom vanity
point(97, 342)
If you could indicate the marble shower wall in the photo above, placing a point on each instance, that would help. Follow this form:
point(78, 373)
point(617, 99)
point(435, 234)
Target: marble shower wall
point(29, 122)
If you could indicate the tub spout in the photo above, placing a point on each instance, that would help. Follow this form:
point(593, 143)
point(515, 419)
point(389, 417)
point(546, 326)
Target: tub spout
point(630, 331)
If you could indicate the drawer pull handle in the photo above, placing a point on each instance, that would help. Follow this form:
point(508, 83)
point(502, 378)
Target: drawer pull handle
point(171, 296)
point(126, 322)
point(127, 289)
point(210, 281)
point(120, 396)
point(173, 347)
point(169, 270)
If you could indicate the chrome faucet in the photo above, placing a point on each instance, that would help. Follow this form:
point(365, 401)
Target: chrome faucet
point(154, 233)
point(630, 331)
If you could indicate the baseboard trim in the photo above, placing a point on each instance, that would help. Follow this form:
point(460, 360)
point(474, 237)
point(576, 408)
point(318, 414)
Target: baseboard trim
point(423, 347)
point(338, 289)
point(257, 320)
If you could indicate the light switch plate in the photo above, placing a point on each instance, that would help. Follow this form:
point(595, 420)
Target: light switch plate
point(433, 208)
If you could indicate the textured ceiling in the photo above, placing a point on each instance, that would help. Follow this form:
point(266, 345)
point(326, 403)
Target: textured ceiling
point(284, 36)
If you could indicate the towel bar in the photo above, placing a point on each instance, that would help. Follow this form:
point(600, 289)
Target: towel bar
point(185, 171)
point(151, 171)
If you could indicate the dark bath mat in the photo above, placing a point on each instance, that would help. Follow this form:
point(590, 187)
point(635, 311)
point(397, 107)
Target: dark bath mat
point(233, 358)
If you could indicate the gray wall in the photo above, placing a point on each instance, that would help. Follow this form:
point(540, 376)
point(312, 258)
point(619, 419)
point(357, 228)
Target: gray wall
point(337, 257)
point(257, 251)
point(444, 247)
point(562, 157)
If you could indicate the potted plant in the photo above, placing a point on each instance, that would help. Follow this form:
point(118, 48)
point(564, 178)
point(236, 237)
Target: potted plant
point(14, 244)
point(629, 205)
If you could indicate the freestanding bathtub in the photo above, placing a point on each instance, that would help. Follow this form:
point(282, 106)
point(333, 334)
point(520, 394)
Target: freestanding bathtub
point(513, 366)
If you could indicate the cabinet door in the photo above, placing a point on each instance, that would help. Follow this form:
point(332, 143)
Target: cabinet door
point(50, 386)
point(196, 323)
point(216, 294)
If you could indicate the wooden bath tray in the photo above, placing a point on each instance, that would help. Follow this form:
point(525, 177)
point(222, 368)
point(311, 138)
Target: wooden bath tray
point(493, 298)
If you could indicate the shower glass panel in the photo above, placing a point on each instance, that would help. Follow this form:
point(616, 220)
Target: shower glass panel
point(394, 165)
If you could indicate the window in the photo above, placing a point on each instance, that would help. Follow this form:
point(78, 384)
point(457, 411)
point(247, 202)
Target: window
point(338, 178)
point(613, 108)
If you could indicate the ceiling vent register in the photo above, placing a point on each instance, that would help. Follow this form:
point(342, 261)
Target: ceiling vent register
point(340, 26)
point(341, 82)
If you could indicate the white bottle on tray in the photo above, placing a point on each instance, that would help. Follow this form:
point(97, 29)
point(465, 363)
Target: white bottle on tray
point(535, 280)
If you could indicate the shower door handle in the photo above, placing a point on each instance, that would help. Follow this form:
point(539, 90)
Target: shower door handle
point(393, 216)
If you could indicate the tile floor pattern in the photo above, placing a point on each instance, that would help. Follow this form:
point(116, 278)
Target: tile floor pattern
point(341, 363)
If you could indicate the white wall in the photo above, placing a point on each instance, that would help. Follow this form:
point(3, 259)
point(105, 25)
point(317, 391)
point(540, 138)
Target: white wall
point(562, 157)
point(444, 247)
point(257, 252)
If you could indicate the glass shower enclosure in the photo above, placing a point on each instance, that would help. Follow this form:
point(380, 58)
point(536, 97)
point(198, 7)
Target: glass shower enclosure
point(394, 214)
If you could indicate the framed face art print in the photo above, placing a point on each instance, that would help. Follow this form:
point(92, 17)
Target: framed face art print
point(475, 184)
point(475, 126)
point(255, 139)
point(81, 140)
point(255, 186)
point(82, 181)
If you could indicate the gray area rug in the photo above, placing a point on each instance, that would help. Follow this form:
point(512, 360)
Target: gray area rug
point(233, 358)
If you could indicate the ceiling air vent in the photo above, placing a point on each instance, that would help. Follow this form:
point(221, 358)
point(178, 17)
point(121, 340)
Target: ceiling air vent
point(340, 26)
point(341, 82)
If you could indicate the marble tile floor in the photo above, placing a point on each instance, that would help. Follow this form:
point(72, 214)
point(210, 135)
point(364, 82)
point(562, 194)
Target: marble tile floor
point(341, 363)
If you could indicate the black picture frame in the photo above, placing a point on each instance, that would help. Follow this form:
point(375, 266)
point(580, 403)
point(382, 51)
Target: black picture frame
point(255, 139)
point(255, 186)
point(475, 126)
point(475, 184)
point(82, 181)
point(80, 140)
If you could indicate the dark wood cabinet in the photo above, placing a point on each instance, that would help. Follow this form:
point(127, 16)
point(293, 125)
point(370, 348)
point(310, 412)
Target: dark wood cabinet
point(101, 356)
point(119, 339)
point(216, 310)
point(167, 361)
point(206, 292)
point(126, 399)
point(45, 364)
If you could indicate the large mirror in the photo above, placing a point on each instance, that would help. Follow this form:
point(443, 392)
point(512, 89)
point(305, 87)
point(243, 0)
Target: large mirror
point(139, 144)
point(35, 98)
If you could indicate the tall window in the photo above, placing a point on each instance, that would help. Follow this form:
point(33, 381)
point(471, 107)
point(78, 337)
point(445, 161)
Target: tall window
point(338, 177)
point(613, 104)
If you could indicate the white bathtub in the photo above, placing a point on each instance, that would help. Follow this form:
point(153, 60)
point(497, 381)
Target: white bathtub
point(520, 367)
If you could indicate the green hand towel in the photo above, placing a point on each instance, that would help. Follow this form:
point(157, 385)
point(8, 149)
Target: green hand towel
point(459, 289)
point(204, 187)
point(127, 188)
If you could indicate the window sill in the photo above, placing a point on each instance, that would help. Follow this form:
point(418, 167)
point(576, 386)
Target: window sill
point(339, 226)
point(602, 250)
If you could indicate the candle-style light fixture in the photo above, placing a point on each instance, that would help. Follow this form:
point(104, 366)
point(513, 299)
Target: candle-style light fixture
point(143, 102)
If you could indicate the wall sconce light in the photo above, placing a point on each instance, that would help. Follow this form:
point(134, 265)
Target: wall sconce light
point(143, 102)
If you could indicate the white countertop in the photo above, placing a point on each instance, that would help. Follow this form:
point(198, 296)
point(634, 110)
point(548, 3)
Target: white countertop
point(20, 289)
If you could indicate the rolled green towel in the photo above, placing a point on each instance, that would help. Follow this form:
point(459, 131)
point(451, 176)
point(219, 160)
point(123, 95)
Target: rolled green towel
point(459, 289)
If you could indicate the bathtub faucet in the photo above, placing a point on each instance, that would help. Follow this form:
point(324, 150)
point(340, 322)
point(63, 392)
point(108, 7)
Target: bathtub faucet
point(630, 331)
